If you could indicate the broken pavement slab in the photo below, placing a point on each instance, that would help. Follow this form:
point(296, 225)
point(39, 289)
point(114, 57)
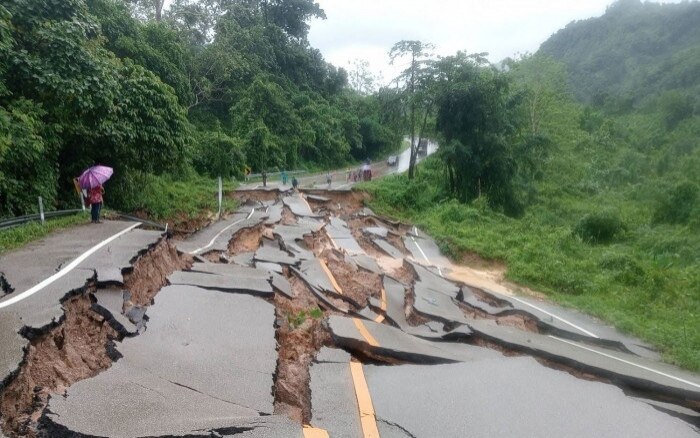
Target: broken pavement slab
point(388, 248)
point(386, 341)
point(211, 357)
point(11, 342)
point(434, 281)
point(377, 231)
point(621, 368)
point(436, 305)
point(365, 262)
point(339, 233)
point(298, 205)
point(36, 261)
point(217, 234)
point(333, 400)
point(113, 301)
point(224, 283)
point(111, 260)
point(507, 397)
point(274, 255)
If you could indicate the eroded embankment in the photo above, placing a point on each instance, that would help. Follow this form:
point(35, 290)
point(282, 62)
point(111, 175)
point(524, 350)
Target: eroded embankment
point(81, 344)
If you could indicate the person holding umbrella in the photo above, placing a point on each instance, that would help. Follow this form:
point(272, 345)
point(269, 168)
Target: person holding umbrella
point(92, 180)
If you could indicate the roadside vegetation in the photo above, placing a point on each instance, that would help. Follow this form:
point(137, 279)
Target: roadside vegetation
point(595, 203)
point(203, 89)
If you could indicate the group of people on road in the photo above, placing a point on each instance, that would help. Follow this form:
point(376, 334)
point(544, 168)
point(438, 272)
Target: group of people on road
point(364, 173)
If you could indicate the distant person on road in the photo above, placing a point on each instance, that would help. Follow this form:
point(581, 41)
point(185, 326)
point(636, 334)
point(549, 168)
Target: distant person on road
point(95, 199)
point(285, 178)
point(264, 177)
point(295, 182)
point(329, 179)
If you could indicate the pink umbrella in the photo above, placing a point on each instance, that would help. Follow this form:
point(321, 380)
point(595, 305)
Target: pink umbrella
point(95, 176)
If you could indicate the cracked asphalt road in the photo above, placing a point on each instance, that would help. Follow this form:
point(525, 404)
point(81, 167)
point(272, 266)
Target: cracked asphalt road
point(305, 315)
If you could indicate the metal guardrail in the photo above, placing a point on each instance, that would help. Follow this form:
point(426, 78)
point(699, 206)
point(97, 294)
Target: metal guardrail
point(21, 220)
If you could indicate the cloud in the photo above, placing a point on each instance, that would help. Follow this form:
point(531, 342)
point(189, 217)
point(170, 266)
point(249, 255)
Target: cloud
point(367, 29)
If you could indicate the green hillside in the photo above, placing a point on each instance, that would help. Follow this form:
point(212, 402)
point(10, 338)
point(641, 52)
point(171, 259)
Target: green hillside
point(635, 50)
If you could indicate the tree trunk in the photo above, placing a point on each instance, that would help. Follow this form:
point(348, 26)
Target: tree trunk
point(414, 156)
point(414, 147)
point(159, 9)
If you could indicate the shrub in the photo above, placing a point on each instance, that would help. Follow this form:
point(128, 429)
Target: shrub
point(599, 227)
point(677, 206)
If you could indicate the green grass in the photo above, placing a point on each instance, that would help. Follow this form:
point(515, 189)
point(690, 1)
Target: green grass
point(23, 234)
point(174, 200)
point(646, 281)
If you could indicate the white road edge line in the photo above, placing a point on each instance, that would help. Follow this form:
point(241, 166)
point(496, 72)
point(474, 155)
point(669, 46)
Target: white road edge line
point(627, 362)
point(66, 269)
point(423, 253)
point(582, 330)
point(198, 250)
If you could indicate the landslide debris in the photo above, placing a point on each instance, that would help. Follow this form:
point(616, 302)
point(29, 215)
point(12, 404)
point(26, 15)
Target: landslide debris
point(246, 240)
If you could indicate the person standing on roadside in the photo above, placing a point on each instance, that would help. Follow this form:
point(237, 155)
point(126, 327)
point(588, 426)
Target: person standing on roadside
point(295, 182)
point(329, 179)
point(96, 199)
point(285, 178)
point(264, 177)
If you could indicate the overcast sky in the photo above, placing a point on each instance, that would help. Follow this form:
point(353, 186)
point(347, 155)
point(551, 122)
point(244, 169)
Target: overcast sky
point(366, 29)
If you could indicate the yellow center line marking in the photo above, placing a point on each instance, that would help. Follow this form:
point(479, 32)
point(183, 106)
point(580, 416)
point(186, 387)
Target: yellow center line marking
point(380, 318)
point(336, 286)
point(365, 333)
point(313, 432)
point(368, 419)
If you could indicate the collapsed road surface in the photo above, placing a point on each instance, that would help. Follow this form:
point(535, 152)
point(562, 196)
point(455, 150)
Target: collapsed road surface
point(306, 315)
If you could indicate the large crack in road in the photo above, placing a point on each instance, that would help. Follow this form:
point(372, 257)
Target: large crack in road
point(346, 294)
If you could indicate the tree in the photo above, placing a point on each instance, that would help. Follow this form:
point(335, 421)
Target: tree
point(147, 9)
point(543, 83)
point(414, 81)
point(361, 78)
point(477, 120)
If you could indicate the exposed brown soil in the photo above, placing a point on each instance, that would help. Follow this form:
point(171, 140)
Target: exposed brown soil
point(357, 284)
point(288, 217)
point(522, 322)
point(212, 256)
point(150, 271)
point(246, 240)
point(297, 347)
point(404, 275)
point(397, 241)
point(244, 196)
point(474, 260)
point(79, 347)
point(318, 242)
point(412, 317)
point(341, 203)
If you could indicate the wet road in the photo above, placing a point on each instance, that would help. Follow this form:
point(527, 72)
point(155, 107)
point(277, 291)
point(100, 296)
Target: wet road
point(305, 315)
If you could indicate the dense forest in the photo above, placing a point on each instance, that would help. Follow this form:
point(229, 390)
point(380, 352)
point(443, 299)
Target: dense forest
point(634, 52)
point(202, 89)
point(598, 138)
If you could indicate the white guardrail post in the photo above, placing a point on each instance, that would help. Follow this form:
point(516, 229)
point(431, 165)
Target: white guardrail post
point(221, 196)
point(41, 210)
